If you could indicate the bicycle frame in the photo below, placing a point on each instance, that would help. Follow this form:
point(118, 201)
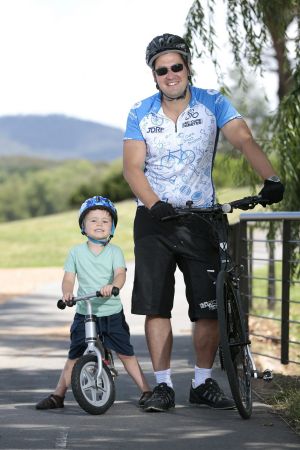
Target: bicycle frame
point(94, 345)
point(216, 215)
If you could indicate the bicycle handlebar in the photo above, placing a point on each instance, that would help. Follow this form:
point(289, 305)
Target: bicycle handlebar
point(243, 203)
point(61, 304)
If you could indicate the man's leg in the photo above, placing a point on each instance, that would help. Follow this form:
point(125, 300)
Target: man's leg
point(160, 341)
point(206, 342)
point(204, 389)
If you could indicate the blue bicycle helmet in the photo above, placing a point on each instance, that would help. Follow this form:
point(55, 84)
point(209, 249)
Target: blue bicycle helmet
point(98, 202)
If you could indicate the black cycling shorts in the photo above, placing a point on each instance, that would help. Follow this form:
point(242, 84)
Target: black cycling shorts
point(160, 247)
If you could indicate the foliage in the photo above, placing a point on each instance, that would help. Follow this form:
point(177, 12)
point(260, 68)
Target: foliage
point(30, 191)
point(253, 28)
point(252, 105)
point(285, 142)
point(21, 165)
point(110, 184)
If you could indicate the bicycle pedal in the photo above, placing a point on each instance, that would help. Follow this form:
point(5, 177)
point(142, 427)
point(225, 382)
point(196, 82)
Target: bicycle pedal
point(114, 371)
point(267, 375)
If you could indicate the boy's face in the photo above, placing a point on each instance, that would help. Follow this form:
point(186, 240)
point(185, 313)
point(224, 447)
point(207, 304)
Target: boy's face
point(97, 224)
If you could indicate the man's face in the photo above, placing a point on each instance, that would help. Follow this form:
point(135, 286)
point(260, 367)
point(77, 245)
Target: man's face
point(175, 81)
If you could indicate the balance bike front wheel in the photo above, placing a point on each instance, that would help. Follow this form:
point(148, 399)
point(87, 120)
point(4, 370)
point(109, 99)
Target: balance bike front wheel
point(92, 397)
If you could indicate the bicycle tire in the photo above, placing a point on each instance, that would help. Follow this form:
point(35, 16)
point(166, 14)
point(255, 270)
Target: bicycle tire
point(234, 344)
point(92, 398)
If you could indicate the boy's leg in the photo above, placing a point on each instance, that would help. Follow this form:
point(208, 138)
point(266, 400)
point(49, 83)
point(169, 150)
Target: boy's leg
point(133, 369)
point(77, 348)
point(56, 400)
point(65, 378)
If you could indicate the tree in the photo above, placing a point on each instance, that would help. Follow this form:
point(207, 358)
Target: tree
point(257, 31)
point(254, 28)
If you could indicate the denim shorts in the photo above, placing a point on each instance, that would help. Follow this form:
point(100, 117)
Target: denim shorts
point(187, 243)
point(112, 330)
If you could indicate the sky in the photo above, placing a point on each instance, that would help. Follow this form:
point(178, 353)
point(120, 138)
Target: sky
point(86, 58)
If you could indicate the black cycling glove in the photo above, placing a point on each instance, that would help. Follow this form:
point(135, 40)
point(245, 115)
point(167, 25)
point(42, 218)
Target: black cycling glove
point(272, 192)
point(162, 209)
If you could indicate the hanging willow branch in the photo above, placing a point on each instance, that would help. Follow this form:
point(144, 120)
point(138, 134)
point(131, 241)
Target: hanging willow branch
point(254, 27)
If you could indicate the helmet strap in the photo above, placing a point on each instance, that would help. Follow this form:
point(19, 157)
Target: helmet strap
point(102, 242)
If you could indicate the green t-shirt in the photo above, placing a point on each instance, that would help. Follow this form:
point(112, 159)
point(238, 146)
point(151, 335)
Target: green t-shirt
point(93, 272)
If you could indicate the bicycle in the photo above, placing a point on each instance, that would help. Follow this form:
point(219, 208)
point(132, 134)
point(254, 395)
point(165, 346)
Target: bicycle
point(93, 374)
point(234, 349)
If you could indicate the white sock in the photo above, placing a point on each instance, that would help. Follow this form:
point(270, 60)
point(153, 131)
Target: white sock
point(164, 376)
point(201, 375)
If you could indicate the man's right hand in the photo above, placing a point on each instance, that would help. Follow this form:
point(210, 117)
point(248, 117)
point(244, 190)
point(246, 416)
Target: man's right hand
point(162, 209)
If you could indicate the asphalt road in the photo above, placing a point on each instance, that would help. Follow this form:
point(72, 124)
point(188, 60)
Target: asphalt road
point(33, 348)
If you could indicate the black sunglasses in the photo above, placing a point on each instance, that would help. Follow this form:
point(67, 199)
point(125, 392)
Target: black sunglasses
point(164, 70)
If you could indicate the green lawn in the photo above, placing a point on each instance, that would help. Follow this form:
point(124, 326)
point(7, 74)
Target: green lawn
point(45, 241)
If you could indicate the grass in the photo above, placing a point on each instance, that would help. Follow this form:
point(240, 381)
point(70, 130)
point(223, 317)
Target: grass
point(45, 241)
point(283, 395)
point(273, 326)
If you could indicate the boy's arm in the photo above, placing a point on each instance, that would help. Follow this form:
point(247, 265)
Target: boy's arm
point(118, 281)
point(67, 286)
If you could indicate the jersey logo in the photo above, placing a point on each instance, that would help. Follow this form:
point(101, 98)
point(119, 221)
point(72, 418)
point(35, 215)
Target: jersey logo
point(155, 130)
point(191, 123)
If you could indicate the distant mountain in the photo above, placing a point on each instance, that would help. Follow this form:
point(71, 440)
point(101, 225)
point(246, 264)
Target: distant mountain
point(58, 137)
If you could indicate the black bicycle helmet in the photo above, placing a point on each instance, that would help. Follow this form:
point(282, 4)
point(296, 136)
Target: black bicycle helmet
point(167, 43)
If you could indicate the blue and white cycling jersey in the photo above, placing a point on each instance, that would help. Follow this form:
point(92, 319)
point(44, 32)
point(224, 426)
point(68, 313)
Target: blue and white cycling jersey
point(179, 157)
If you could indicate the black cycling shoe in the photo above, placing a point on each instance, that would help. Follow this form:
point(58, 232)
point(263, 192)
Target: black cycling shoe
point(162, 399)
point(210, 394)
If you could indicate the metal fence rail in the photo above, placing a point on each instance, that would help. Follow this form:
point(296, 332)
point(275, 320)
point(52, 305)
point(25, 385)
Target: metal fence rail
point(279, 249)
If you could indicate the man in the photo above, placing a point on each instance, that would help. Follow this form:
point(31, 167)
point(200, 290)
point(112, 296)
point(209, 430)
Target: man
point(169, 149)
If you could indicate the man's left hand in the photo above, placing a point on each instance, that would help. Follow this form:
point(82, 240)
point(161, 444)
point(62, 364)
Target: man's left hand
point(272, 192)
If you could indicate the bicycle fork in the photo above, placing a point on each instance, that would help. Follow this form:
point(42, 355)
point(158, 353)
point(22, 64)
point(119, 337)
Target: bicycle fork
point(91, 338)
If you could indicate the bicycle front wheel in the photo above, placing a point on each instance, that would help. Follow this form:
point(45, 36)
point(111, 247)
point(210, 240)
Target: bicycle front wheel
point(234, 344)
point(93, 397)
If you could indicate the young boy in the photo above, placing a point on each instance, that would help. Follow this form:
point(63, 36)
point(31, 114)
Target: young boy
point(98, 265)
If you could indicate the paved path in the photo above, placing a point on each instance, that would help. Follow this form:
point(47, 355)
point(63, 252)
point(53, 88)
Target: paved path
point(33, 347)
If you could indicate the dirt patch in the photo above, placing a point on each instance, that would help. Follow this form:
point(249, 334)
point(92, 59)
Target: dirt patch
point(268, 343)
point(16, 282)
